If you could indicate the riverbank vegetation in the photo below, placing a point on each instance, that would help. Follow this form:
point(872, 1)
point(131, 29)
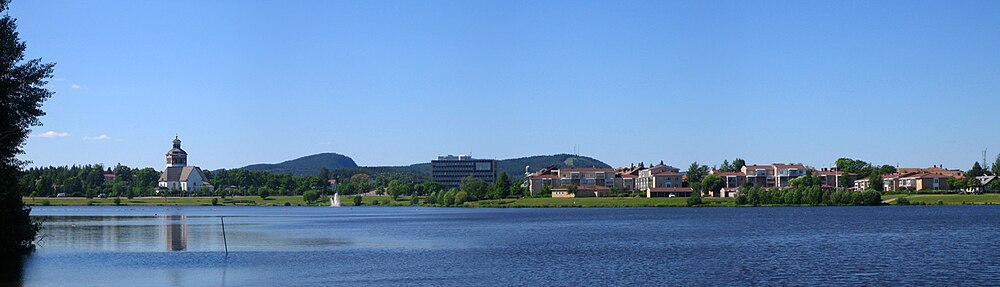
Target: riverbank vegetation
point(527, 202)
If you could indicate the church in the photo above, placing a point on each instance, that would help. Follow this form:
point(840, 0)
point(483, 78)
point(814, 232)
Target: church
point(179, 176)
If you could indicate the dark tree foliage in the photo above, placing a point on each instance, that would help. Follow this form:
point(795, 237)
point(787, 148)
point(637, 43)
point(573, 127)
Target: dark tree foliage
point(22, 92)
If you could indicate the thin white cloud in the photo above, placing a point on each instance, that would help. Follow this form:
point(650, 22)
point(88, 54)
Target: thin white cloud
point(102, 137)
point(326, 143)
point(51, 134)
point(75, 86)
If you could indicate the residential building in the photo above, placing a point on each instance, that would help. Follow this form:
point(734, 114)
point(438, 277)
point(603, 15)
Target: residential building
point(659, 176)
point(732, 181)
point(450, 170)
point(585, 182)
point(914, 181)
point(774, 175)
point(831, 178)
point(938, 169)
point(178, 176)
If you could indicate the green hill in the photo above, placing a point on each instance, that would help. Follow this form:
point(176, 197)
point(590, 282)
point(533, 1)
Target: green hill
point(307, 165)
point(342, 166)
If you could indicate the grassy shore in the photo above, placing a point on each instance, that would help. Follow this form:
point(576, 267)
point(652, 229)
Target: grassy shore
point(946, 199)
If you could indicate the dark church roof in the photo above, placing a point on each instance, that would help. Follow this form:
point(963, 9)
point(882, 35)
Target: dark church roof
point(180, 173)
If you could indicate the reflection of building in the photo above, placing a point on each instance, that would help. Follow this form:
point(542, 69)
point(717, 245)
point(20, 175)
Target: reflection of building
point(450, 170)
point(175, 233)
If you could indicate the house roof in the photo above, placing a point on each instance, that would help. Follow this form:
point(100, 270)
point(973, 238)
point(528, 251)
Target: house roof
point(927, 175)
point(727, 173)
point(587, 170)
point(547, 175)
point(180, 173)
point(782, 165)
point(586, 188)
point(671, 189)
point(667, 172)
point(828, 172)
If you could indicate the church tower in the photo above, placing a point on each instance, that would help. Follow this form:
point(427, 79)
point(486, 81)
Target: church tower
point(177, 157)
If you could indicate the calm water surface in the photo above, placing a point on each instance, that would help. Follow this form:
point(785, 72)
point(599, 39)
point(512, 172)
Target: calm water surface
point(308, 246)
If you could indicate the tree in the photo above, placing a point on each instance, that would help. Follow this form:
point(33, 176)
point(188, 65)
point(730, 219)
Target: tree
point(357, 200)
point(461, 197)
point(473, 187)
point(726, 166)
point(324, 174)
point(310, 196)
point(264, 193)
point(996, 166)
point(695, 172)
point(22, 92)
point(395, 189)
point(694, 199)
point(545, 192)
point(712, 183)
point(738, 164)
point(875, 182)
point(844, 181)
point(886, 169)
point(976, 170)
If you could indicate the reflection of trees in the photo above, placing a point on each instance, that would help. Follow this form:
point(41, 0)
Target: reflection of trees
point(12, 271)
point(175, 233)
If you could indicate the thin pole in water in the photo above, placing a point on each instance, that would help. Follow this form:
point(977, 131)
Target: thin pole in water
point(226, 244)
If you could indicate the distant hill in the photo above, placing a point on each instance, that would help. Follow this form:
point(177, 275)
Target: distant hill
point(343, 167)
point(307, 165)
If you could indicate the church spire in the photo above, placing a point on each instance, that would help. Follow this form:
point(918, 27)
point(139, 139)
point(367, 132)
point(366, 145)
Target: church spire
point(176, 156)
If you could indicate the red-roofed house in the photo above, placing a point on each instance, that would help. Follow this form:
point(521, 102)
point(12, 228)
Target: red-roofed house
point(660, 176)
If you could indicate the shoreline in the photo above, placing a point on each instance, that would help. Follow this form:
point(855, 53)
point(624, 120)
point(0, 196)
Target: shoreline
point(606, 202)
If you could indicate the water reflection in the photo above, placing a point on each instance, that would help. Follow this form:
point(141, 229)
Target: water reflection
point(175, 232)
point(12, 271)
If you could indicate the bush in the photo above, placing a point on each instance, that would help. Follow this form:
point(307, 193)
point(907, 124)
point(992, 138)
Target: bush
point(357, 200)
point(461, 197)
point(375, 202)
point(215, 201)
point(310, 196)
point(117, 201)
point(694, 199)
point(46, 202)
point(902, 201)
point(287, 203)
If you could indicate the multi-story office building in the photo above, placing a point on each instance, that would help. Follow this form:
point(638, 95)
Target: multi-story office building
point(449, 170)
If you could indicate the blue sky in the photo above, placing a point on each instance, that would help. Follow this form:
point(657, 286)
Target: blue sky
point(913, 83)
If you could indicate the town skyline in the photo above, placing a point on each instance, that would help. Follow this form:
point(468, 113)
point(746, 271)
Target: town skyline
point(398, 83)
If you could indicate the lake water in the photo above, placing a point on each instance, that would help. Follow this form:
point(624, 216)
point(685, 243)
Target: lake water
point(320, 246)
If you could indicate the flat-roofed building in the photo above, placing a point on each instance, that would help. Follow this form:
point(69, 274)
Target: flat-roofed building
point(450, 170)
point(587, 181)
point(774, 175)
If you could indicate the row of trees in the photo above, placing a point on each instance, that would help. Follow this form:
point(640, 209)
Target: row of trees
point(810, 195)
